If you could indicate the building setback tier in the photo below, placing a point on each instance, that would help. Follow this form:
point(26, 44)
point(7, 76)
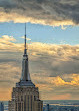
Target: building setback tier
point(25, 99)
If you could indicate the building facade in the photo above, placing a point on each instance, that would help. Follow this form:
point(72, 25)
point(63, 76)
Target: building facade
point(25, 96)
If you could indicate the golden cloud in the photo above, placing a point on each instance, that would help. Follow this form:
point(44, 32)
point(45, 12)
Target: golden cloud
point(17, 18)
point(62, 51)
point(6, 43)
point(57, 81)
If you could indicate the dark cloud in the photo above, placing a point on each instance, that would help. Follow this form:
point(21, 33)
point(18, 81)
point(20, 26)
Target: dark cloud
point(54, 66)
point(52, 12)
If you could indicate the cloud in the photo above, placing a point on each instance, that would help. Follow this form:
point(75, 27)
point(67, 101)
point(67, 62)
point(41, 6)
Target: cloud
point(53, 68)
point(58, 56)
point(47, 12)
point(9, 74)
point(7, 43)
point(28, 39)
point(48, 83)
point(6, 38)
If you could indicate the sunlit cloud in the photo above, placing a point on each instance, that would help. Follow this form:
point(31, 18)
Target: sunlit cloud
point(7, 43)
point(28, 39)
point(46, 12)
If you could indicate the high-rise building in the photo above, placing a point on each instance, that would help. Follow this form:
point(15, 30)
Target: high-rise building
point(25, 96)
point(1, 106)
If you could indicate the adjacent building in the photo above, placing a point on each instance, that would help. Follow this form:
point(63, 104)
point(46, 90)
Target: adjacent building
point(1, 106)
point(25, 96)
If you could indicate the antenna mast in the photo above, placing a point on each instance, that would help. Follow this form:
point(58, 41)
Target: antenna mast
point(25, 35)
point(25, 40)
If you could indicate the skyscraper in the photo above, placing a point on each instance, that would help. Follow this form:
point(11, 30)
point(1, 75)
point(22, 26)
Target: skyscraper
point(1, 106)
point(25, 96)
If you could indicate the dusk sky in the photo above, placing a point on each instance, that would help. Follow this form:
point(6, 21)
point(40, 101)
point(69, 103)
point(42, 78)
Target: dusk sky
point(52, 28)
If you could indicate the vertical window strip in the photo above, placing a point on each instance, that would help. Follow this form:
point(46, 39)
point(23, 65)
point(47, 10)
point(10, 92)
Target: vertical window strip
point(28, 102)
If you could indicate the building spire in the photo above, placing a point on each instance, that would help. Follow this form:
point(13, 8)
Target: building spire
point(25, 76)
point(25, 66)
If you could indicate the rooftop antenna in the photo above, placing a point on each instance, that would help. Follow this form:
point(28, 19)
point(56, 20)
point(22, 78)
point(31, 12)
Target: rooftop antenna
point(25, 40)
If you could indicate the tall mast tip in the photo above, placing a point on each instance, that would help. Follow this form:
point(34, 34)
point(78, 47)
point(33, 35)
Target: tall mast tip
point(25, 40)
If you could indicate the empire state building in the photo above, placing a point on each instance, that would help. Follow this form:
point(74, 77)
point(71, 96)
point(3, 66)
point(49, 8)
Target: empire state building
point(25, 95)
